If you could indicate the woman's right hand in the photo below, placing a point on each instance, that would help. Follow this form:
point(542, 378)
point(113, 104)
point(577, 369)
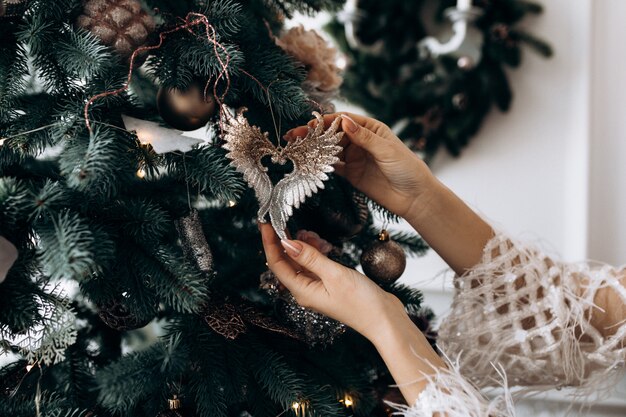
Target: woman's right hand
point(376, 162)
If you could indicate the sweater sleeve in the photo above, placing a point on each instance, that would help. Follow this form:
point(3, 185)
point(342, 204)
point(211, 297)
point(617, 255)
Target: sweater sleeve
point(519, 318)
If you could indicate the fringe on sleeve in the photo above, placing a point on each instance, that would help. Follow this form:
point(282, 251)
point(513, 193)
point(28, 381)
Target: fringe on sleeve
point(449, 394)
point(530, 315)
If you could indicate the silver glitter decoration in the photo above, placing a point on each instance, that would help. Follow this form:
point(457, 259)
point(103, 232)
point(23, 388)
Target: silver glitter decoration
point(193, 241)
point(316, 328)
point(313, 158)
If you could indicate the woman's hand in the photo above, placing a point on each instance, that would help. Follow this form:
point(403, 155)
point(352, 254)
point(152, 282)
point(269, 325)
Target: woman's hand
point(330, 288)
point(377, 163)
point(346, 295)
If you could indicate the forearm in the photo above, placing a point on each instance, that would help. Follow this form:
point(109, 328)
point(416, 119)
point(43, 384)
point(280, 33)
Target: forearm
point(449, 226)
point(406, 352)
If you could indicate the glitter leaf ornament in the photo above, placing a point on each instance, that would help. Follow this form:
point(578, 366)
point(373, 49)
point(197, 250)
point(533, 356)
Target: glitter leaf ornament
point(313, 157)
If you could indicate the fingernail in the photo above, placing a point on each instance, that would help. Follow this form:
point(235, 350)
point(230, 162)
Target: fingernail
point(292, 248)
point(350, 123)
point(312, 123)
point(288, 135)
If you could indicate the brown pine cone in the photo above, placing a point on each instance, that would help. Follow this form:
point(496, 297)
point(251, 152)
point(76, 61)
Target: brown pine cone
point(120, 24)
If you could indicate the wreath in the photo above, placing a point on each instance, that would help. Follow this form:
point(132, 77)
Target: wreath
point(432, 101)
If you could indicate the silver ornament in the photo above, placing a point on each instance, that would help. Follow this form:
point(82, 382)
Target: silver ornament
point(313, 158)
point(193, 241)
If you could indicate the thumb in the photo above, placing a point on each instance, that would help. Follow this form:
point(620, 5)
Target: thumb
point(311, 259)
point(362, 136)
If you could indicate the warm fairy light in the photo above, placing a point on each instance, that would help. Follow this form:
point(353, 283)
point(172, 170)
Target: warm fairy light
point(29, 367)
point(232, 203)
point(141, 173)
point(295, 406)
point(341, 62)
point(145, 141)
point(2, 141)
point(348, 402)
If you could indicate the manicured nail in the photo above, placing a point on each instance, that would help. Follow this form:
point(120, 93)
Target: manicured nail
point(292, 248)
point(288, 135)
point(312, 123)
point(350, 123)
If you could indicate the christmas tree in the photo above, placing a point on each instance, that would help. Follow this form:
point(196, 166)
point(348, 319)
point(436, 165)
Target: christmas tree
point(132, 277)
point(433, 101)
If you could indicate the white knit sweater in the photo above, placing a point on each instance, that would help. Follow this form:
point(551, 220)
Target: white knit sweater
point(520, 318)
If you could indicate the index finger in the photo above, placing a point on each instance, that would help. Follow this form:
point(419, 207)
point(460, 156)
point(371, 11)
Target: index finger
point(375, 126)
point(279, 263)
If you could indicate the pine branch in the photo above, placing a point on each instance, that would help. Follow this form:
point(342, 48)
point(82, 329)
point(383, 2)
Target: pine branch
point(82, 54)
point(208, 170)
point(72, 248)
point(99, 164)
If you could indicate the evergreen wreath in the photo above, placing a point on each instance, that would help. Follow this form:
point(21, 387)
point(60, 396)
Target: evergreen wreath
point(431, 102)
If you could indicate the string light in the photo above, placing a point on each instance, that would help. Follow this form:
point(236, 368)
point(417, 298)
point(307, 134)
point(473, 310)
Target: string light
point(296, 406)
point(29, 367)
point(2, 141)
point(348, 402)
point(141, 174)
point(232, 203)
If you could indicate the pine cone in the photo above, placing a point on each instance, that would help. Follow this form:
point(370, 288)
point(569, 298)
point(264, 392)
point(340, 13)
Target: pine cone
point(12, 8)
point(120, 24)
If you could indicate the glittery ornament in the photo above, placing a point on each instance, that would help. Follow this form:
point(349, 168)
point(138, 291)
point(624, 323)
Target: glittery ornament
point(232, 318)
point(118, 316)
point(13, 8)
point(193, 241)
point(173, 408)
point(319, 59)
point(120, 24)
point(314, 327)
point(312, 156)
point(186, 110)
point(384, 261)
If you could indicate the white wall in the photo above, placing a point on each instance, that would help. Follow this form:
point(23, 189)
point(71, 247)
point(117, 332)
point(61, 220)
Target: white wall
point(552, 170)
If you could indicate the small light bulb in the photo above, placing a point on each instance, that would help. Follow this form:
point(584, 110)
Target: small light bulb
point(348, 401)
point(232, 203)
point(141, 173)
point(341, 62)
point(295, 405)
point(29, 367)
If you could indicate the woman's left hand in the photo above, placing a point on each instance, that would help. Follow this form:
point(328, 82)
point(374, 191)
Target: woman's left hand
point(328, 287)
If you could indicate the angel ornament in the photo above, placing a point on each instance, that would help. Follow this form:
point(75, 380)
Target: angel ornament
point(313, 157)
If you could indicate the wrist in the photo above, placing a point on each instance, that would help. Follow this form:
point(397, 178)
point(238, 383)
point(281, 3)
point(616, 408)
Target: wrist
point(397, 334)
point(425, 201)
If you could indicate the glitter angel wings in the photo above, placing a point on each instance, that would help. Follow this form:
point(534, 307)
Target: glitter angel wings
point(312, 156)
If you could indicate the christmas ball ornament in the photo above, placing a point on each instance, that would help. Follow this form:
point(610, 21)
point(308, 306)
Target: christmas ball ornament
point(173, 408)
point(121, 24)
point(338, 219)
point(12, 8)
point(118, 316)
point(460, 101)
point(186, 110)
point(384, 261)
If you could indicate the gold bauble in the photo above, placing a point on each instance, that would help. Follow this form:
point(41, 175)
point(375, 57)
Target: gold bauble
point(185, 110)
point(384, 261)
